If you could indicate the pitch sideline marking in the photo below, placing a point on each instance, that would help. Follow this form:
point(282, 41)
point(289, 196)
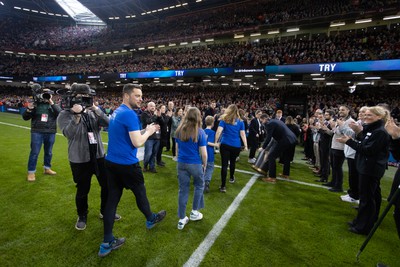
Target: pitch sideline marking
point(198, 255)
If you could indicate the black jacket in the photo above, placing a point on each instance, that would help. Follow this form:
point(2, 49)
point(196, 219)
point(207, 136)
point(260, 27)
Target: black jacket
point(147, 118)
point(43, 117)
point(372, 149)
point(280, 132)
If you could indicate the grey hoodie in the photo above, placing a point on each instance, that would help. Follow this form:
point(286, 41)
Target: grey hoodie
point(77, 134)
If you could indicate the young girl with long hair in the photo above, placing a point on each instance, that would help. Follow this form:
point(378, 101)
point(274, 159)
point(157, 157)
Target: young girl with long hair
point(191, 146)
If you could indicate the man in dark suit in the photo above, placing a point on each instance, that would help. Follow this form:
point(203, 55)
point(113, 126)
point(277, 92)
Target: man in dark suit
point(285, 140)
point(254, 136)
point(279, 115)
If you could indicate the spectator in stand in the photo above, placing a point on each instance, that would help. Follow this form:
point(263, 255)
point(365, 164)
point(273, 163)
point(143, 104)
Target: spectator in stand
point(231, 129)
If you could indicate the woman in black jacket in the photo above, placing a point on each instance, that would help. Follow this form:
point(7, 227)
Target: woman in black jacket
point(372, 151)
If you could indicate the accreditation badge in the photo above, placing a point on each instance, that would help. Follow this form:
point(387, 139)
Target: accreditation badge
point(92, 138)
point(44, 118)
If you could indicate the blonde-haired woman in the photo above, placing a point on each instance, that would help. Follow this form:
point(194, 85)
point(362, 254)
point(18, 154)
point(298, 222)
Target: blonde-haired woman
point(231, 129)
point(191, 146)
point(372, 152)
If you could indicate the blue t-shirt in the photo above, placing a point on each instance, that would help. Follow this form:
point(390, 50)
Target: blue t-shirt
point(210, 134)
point(188, 152)
point(231, 133)
point(120, 147)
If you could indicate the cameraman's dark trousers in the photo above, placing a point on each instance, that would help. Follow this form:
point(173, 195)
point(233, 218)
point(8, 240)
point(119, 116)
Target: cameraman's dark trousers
point(82, 174)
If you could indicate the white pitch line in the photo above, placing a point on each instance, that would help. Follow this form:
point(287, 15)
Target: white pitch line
point(28, 128)
point(198, 255)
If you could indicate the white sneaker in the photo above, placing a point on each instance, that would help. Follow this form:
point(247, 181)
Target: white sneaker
point(345, 196)
point(349, 199)
point(175, 159)
point(252, 161)
point(183, 222)
point(196, 215)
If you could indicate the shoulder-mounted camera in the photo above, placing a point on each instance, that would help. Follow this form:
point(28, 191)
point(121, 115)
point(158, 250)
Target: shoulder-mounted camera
point(39, 94)
point(80, 94)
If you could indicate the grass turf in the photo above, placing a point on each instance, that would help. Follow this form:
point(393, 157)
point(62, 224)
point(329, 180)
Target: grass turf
point(287, 224)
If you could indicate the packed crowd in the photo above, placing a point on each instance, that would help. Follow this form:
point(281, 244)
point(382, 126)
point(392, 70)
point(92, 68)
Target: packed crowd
point(36, 36)
point(266, 99)
point(351, 46)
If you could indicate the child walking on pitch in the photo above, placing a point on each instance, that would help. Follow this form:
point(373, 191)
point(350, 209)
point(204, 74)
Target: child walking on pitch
point(191, 144)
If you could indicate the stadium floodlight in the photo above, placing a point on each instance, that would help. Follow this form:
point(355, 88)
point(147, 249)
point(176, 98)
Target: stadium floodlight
point(373, 78)
point(273, 32)
point(80, 13)
point(391, 17)
point(360, 21)
point(293, 30)
point(337, 24)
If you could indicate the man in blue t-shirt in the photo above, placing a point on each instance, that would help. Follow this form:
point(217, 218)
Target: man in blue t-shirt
point(124, 137)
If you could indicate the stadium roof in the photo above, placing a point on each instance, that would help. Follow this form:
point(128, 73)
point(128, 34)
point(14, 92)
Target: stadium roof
point(111, 10)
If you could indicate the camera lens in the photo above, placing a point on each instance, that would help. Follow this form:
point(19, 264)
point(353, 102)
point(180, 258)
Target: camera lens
point(46, 96)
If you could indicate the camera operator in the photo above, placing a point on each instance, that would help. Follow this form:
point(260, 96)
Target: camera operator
point(149, 116)
point(43, 115)
point(81, 123)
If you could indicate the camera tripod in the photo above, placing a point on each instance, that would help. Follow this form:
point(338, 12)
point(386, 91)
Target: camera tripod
point(394, 198)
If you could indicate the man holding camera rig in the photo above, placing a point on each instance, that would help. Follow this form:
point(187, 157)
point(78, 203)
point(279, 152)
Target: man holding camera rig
point(43, 115)
point(80, 122)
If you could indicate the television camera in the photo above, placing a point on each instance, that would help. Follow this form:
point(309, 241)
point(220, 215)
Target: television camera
point(80, 94)
point(40, 95)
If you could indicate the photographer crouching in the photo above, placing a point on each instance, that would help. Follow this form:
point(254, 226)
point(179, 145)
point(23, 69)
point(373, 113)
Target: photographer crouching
point(43, 115)
point(81, 122)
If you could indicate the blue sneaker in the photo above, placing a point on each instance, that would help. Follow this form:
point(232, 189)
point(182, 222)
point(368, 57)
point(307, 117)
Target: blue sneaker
point(157, 218)
point(106, 248)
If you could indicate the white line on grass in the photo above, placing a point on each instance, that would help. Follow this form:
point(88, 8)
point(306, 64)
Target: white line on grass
point(28, 128)
point(198, 255)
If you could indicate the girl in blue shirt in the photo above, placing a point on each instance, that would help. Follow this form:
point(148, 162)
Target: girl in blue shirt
point(230, 129)
point(191, 143)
